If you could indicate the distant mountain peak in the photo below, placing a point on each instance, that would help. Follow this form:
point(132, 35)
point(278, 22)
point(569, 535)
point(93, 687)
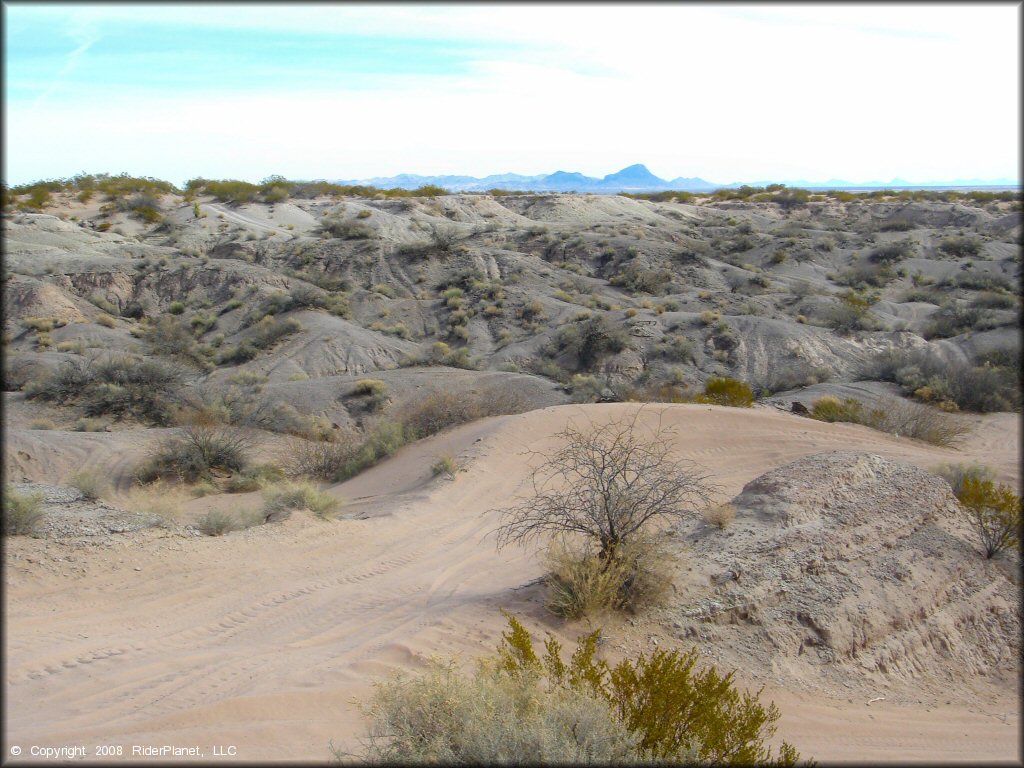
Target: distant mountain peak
point(634, 174)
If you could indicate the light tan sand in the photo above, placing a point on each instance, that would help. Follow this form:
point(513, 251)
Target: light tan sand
point(263, 639)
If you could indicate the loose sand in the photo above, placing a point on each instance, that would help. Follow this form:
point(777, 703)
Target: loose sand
point(263, 639)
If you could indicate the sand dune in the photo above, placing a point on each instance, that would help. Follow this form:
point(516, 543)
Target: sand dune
point(263, 639)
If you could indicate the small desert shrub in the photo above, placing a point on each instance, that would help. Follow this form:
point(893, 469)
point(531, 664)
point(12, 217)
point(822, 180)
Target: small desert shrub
point(955, 474)
point(437, 411)
point(491, 718)
point(42, 424)
point(720, 515)
point(580, 582)
point(345, 229)
point(994, 511)
point(956, 246)
point(159, 498)
point(321, 460)
point(289, 496)
point(91, 483)
point(726, 391)
point(896, 225)
point(831, 409)
point(853, 313)
point(270, 330)
point(204, 488)
point(952, 319)
point(522, 706)
point(585, 388)
point(254, 479)
point(173, 337)
point(445, 465)
point(216, 523)
point(90, 425)
point(176, 307)
point(40, 324)
point(196, 453)
point(23, 512)
point(992, 383)
point(118, 386)
point(892, 253)
point(369, 387)
point(898, 417)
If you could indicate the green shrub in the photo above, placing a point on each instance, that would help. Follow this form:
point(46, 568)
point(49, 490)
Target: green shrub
point(520, 706)
point(726, 391)
point(994, 511)
point(23, 512)
point(42, 424)
point(289, 496)
point(176, 307)
point(831, 409)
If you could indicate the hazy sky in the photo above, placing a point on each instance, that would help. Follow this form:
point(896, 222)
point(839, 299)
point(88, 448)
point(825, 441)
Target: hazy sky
point(725, 92)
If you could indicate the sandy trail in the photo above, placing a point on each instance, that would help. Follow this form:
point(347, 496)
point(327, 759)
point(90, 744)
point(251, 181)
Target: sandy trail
point(262, 639)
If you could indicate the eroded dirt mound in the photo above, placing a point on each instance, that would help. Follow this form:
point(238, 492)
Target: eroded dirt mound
point(842, 563)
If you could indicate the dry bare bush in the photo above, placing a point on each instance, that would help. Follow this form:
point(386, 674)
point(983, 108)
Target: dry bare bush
point(607, 483)
point(322, 460)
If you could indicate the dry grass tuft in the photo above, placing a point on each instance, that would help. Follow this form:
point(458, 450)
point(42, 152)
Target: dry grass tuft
point(720, 515)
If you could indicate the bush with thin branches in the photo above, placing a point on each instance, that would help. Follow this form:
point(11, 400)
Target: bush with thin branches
point(607, 483)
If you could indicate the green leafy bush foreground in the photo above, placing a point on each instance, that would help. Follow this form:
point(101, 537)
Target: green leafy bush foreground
point(518, 706)
point(994, 511)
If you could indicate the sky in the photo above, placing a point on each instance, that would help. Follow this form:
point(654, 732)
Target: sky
point(724, 92)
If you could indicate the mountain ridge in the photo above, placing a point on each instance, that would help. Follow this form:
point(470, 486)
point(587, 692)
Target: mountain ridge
point(632, 178)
